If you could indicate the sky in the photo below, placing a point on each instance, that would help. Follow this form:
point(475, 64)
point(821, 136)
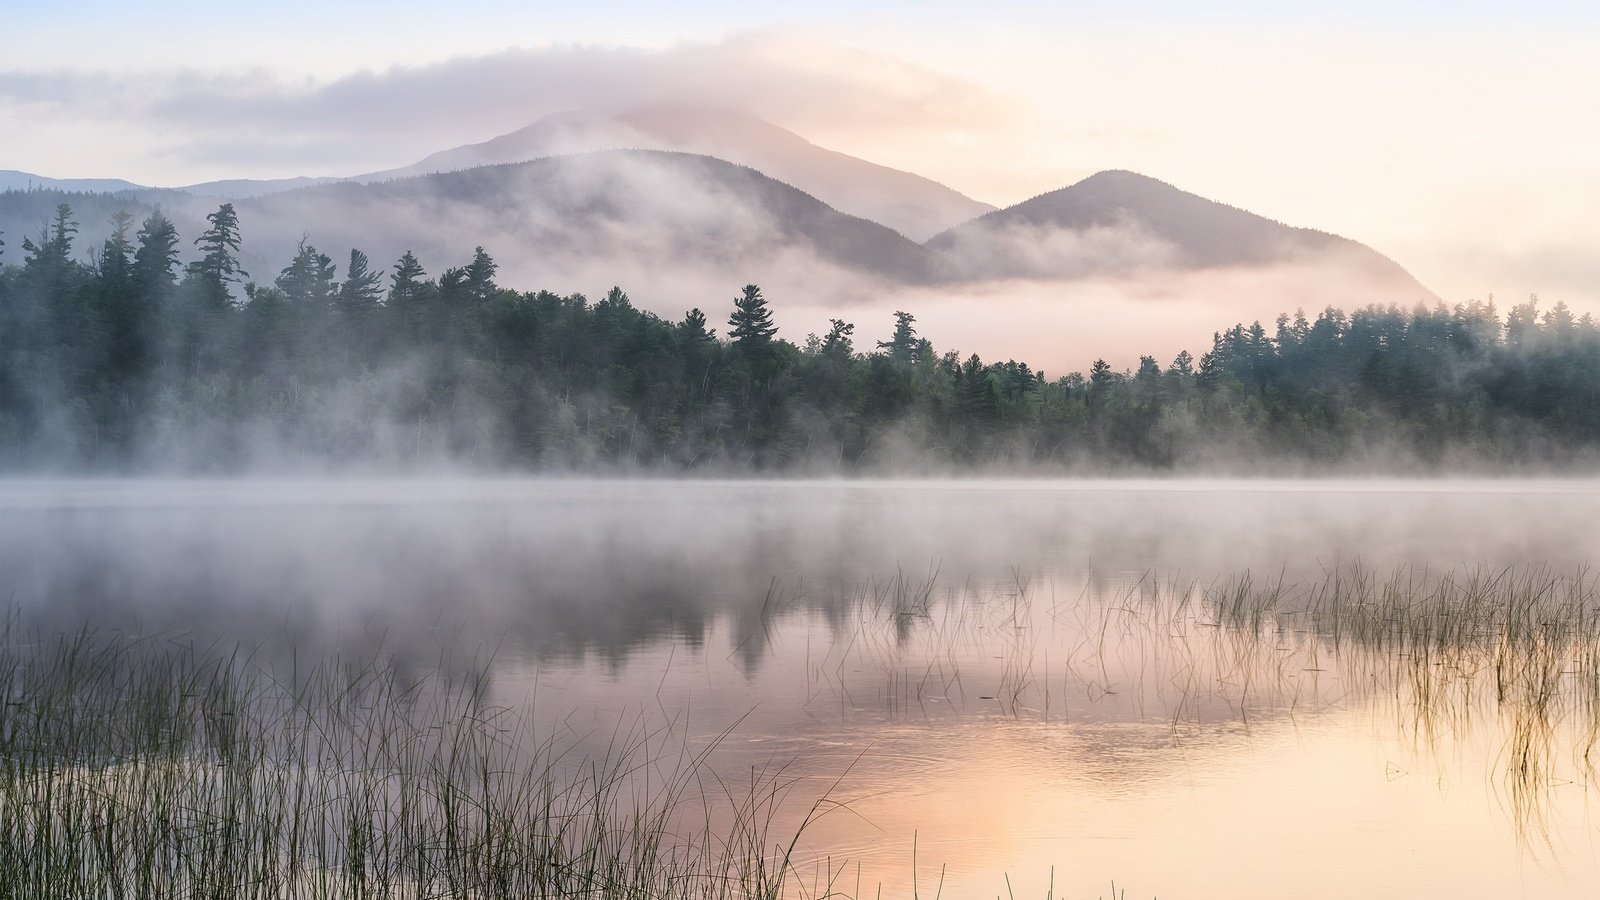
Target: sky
point(1458, 138)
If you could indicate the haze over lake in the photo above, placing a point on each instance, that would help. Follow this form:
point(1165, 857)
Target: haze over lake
point(765, 451)
point(1052, 682)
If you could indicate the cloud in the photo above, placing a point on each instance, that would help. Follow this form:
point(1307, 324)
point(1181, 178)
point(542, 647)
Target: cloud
point(1063, 324)
point(1047, 251)
point(390, 116)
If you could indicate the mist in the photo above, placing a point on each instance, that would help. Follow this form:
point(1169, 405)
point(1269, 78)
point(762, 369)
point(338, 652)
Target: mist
point(680, 231)
point(567, 352)
point(706, 453)
point(1114, 325)
point(1063, 325)
point(581, 566)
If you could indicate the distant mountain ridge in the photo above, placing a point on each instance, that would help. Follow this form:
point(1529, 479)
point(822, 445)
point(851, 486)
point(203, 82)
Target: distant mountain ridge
point(584, 216)
point(12, 180)
point(915, 206)
point(1155, 224)
point(662, 207)
point(655, 212)
point(245, 188)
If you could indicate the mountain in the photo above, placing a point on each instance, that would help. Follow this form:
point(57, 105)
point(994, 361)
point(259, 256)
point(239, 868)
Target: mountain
point(916, 207)
point(12, 180)
point(909, 204)
point(646, 210)
point(1124, 223)
point(656, 220)
point(678, 225)
point(241, 188)
point(231, 189)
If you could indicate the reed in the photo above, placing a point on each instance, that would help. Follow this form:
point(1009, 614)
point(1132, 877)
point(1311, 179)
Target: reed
point(150, 768)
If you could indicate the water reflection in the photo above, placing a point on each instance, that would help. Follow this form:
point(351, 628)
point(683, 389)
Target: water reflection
point(1195, 689)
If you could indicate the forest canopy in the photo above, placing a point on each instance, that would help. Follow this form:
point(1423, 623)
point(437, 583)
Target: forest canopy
point(133, 362)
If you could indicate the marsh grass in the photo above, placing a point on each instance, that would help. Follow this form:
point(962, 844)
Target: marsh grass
point(151, 768)
point(1440, 658)
point(1443, 647)
point(1515, 651)
point(156, 767)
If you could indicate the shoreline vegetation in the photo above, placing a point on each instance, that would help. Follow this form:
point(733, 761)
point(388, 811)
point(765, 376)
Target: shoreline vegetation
point(150, 767)
point(134, 364)
point(167, 765)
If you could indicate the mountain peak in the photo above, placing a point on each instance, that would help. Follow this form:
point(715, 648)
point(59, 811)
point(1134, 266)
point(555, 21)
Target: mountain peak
point(1119, 221)
point(916, 207)
point(1122, 176)
point(1110, 185)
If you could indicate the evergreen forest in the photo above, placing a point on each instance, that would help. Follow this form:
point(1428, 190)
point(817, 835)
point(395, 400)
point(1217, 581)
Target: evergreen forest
point(134, 362)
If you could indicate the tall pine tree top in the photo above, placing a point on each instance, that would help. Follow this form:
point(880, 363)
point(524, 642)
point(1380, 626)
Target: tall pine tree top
point(751, 322)
point(405, 285)
point(903, 345)
point(362, 289)
point(219, 261)
point(157, 256)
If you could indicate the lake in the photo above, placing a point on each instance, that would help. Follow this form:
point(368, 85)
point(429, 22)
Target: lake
point(966, 688)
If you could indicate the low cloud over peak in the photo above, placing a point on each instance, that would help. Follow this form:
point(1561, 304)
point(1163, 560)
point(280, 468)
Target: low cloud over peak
point(222, 123)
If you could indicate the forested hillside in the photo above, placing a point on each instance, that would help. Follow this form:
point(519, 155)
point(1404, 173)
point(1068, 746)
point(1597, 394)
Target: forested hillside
point(137, 364)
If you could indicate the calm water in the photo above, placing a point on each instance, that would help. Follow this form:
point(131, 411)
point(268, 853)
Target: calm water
point(986, 681)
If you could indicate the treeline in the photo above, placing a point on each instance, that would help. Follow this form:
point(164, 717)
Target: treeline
point(133, 362)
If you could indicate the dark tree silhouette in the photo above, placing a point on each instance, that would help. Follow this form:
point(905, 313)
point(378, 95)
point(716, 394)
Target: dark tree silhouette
point(362, 288)
point(837, 345)
point(218, 266)
point(751, 327)
point(902, 345)
point(119, 363)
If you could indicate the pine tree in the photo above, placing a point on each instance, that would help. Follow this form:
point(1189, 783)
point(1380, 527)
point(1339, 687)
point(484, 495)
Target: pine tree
point(751, 322)
point(693, 328)
point(699, 345)
point(51, 258)
point(156, 259)
point(902, 346)
point(119, 297)
point(361, 288)
point(978, 397)
point(837, 344)
point(405, 285)
point(478, 280)
point(218, 265)
point(309, 277)
point(115, 264)
point(1101, 382)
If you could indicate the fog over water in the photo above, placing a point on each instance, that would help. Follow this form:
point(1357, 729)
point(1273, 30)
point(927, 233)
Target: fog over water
point(740, 452)
point(1033, 680)
point(518, 551)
